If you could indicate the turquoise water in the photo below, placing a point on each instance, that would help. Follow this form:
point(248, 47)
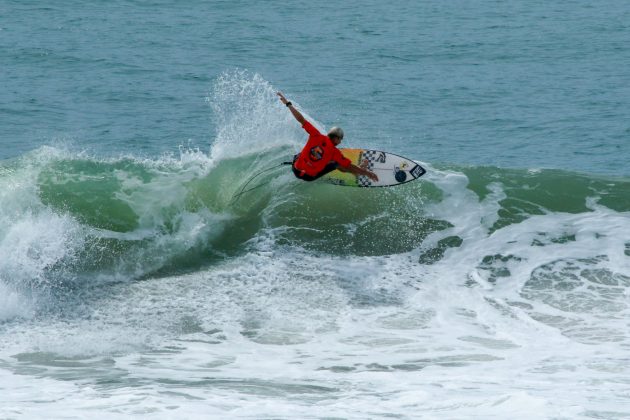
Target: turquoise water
point(134, 285)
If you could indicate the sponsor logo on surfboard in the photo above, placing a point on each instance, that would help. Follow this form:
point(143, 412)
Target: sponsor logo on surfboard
point(417, 171)
point(399, 175)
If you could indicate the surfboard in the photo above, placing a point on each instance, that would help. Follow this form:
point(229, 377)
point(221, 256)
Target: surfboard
point(390, 168)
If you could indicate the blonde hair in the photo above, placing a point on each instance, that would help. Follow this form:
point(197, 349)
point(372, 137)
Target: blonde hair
point(336, 132)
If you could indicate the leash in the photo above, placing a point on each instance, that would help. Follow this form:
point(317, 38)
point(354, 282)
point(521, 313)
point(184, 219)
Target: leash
point(243, 190)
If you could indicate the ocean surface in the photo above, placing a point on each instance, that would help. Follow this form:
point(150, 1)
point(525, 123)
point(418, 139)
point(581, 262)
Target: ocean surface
point(134, 285)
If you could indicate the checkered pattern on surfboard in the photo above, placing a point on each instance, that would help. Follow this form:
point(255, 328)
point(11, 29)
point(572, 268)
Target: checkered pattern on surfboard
point(368, 156)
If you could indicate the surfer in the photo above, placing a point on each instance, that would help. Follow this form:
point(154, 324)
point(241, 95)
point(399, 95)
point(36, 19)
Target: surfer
point(320, 154)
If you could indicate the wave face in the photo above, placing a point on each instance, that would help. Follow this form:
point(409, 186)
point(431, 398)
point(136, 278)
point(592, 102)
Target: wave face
point(70, 218)
point(504, 280)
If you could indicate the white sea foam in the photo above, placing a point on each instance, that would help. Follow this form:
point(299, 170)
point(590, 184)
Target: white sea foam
point(13, 305)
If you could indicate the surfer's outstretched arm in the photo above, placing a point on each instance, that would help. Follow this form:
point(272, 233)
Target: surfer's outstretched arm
point(298, 116)
point(357, 170)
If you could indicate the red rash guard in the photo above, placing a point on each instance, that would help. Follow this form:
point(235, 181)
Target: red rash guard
point(318, 152)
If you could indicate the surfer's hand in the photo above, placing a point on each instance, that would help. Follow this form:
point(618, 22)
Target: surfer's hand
point(282, 98)
point(357, 170)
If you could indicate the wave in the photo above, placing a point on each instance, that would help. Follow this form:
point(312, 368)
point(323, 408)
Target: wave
point(68, 220)
point(138, 216)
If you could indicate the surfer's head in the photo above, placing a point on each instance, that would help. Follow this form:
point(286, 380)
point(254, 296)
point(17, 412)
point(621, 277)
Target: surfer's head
point(336, 135)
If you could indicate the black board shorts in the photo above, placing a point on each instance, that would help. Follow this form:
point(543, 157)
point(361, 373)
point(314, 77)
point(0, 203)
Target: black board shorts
point(327, 169)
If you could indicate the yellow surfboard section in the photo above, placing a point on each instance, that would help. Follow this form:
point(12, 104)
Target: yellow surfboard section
point(346, 178)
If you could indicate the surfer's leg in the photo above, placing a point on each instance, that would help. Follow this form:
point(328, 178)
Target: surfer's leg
point(327, 169)
point(301, 175)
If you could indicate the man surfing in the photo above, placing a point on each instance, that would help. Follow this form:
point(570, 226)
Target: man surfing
point(320, 154)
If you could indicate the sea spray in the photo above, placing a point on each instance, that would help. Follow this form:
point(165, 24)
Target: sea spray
point(249, 117)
